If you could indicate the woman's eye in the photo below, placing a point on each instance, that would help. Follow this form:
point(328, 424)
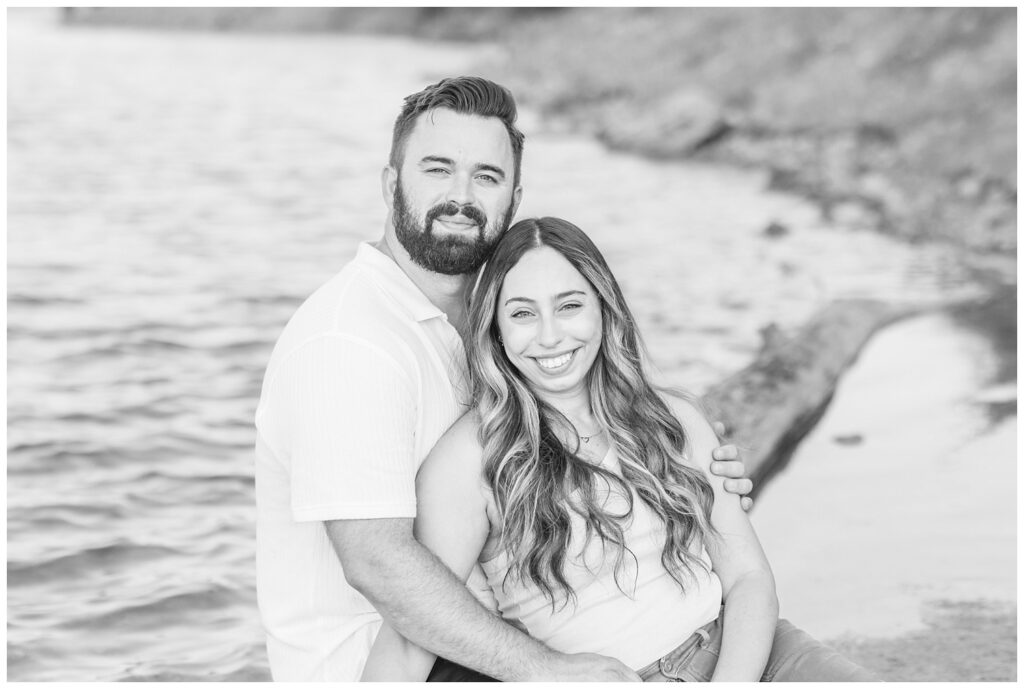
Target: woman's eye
point(571, 306)
point(520, 314)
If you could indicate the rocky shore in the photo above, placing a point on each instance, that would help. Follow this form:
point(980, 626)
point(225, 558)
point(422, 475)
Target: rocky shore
point(902, 120)
point(899, 120)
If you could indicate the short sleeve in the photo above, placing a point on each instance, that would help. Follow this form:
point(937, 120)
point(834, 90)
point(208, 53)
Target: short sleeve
point(349, 419)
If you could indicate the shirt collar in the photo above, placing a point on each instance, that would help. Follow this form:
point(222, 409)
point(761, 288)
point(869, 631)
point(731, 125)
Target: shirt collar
point(397, 284)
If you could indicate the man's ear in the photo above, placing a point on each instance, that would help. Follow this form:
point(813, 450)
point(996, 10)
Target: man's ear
point(388, 184)
point(517, 196)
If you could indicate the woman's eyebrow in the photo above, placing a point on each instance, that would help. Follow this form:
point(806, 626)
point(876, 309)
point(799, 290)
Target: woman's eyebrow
point(560, 295)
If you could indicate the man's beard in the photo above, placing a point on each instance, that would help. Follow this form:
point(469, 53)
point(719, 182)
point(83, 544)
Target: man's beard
point(450, 254)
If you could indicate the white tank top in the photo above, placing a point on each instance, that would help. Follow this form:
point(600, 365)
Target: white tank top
point(637, 627)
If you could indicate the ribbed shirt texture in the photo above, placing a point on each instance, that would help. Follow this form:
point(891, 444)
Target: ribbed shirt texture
point(364, 379)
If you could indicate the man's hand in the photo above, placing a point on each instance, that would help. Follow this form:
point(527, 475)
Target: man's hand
point(727, 463)
point(585, 667)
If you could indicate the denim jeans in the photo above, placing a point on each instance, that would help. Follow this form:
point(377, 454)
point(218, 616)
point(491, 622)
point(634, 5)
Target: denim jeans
point(795, 657)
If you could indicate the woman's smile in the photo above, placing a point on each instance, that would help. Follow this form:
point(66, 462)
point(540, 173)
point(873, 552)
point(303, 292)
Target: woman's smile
point(556, 364)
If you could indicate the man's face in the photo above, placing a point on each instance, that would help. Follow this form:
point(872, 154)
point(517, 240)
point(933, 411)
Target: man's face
point(454, 194)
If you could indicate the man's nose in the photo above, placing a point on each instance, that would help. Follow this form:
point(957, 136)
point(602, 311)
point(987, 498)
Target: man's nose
point(461, 190)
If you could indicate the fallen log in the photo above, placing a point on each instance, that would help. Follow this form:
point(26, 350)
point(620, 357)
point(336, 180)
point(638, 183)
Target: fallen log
point(769, 406)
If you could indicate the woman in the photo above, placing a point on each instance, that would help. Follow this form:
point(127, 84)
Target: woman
point(584, 491)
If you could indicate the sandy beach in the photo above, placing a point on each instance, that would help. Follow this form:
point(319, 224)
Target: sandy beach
point(909, 479)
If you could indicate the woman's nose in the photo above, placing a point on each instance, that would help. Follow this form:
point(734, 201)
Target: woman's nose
point(550, 332)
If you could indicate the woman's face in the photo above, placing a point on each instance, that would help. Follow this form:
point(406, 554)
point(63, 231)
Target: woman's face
point(549, 318)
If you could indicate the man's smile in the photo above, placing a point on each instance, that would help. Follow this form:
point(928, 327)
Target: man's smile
point(457, 223)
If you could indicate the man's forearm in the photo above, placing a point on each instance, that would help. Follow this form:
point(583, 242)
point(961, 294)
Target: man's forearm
point(427, 604)
point(431, 607)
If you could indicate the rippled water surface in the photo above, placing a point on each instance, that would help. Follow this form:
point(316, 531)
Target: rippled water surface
point(173, 197)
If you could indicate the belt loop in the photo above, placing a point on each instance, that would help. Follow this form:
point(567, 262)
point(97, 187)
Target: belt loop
point(666, 669)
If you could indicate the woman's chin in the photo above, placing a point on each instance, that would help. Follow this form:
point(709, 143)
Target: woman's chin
point(556, 386)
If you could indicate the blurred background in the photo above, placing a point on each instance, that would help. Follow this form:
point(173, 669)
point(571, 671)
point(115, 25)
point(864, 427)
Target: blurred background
point(179, 180)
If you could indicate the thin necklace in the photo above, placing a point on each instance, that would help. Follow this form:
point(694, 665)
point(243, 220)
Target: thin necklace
point(586, 438)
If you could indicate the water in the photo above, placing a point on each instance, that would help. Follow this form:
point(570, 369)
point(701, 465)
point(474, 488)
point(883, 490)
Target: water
point(173, 197)
point(912, 481)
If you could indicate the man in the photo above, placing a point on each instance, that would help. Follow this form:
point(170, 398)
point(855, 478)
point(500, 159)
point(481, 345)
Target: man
point(367, 375)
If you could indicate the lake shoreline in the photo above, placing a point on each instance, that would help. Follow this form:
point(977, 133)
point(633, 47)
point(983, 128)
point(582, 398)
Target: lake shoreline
point(828, 117)
point(921, 647)
point(928, 402)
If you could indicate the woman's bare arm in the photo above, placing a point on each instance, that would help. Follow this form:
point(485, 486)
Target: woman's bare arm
point(451, 521)
point(748, 587)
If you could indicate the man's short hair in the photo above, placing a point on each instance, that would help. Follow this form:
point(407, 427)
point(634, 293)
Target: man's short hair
point(465, 95)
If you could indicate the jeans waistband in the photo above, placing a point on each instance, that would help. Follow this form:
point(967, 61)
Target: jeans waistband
point(699, 637)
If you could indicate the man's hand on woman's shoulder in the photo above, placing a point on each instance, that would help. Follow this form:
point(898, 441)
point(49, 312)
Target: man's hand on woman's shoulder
point(726, 462)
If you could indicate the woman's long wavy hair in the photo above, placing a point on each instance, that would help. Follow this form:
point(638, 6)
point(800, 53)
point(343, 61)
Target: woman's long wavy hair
point(538, 482)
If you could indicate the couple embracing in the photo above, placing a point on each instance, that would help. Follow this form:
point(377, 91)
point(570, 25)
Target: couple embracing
point(464, 470)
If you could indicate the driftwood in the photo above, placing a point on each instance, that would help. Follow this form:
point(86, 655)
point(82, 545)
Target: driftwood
point(770, 405)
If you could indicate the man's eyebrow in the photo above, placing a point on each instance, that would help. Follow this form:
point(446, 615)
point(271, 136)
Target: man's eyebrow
point(560, 295)
point(436, 159)
point(491, 168)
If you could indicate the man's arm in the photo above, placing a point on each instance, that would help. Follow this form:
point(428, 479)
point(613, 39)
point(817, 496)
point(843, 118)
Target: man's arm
point(353, 468)
point(452, 523)
point(422, 600)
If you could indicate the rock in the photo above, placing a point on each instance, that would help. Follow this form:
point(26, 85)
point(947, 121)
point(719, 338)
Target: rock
point(775, 229)
point(676, 125)
point(771, 336)
point(853, 214)
point(849, 439)
point(969, 185)
point(770, 405)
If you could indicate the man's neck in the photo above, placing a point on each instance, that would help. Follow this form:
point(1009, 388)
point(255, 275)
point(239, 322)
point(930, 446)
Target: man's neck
point(446, 292)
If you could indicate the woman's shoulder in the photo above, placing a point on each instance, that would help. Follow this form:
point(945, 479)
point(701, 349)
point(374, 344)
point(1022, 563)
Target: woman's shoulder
point(686, 407)
point(460, 444)
point(448, 481)
point(465, 430)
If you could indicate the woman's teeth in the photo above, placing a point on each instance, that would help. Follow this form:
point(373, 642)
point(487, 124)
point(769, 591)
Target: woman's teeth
point(555, 362)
